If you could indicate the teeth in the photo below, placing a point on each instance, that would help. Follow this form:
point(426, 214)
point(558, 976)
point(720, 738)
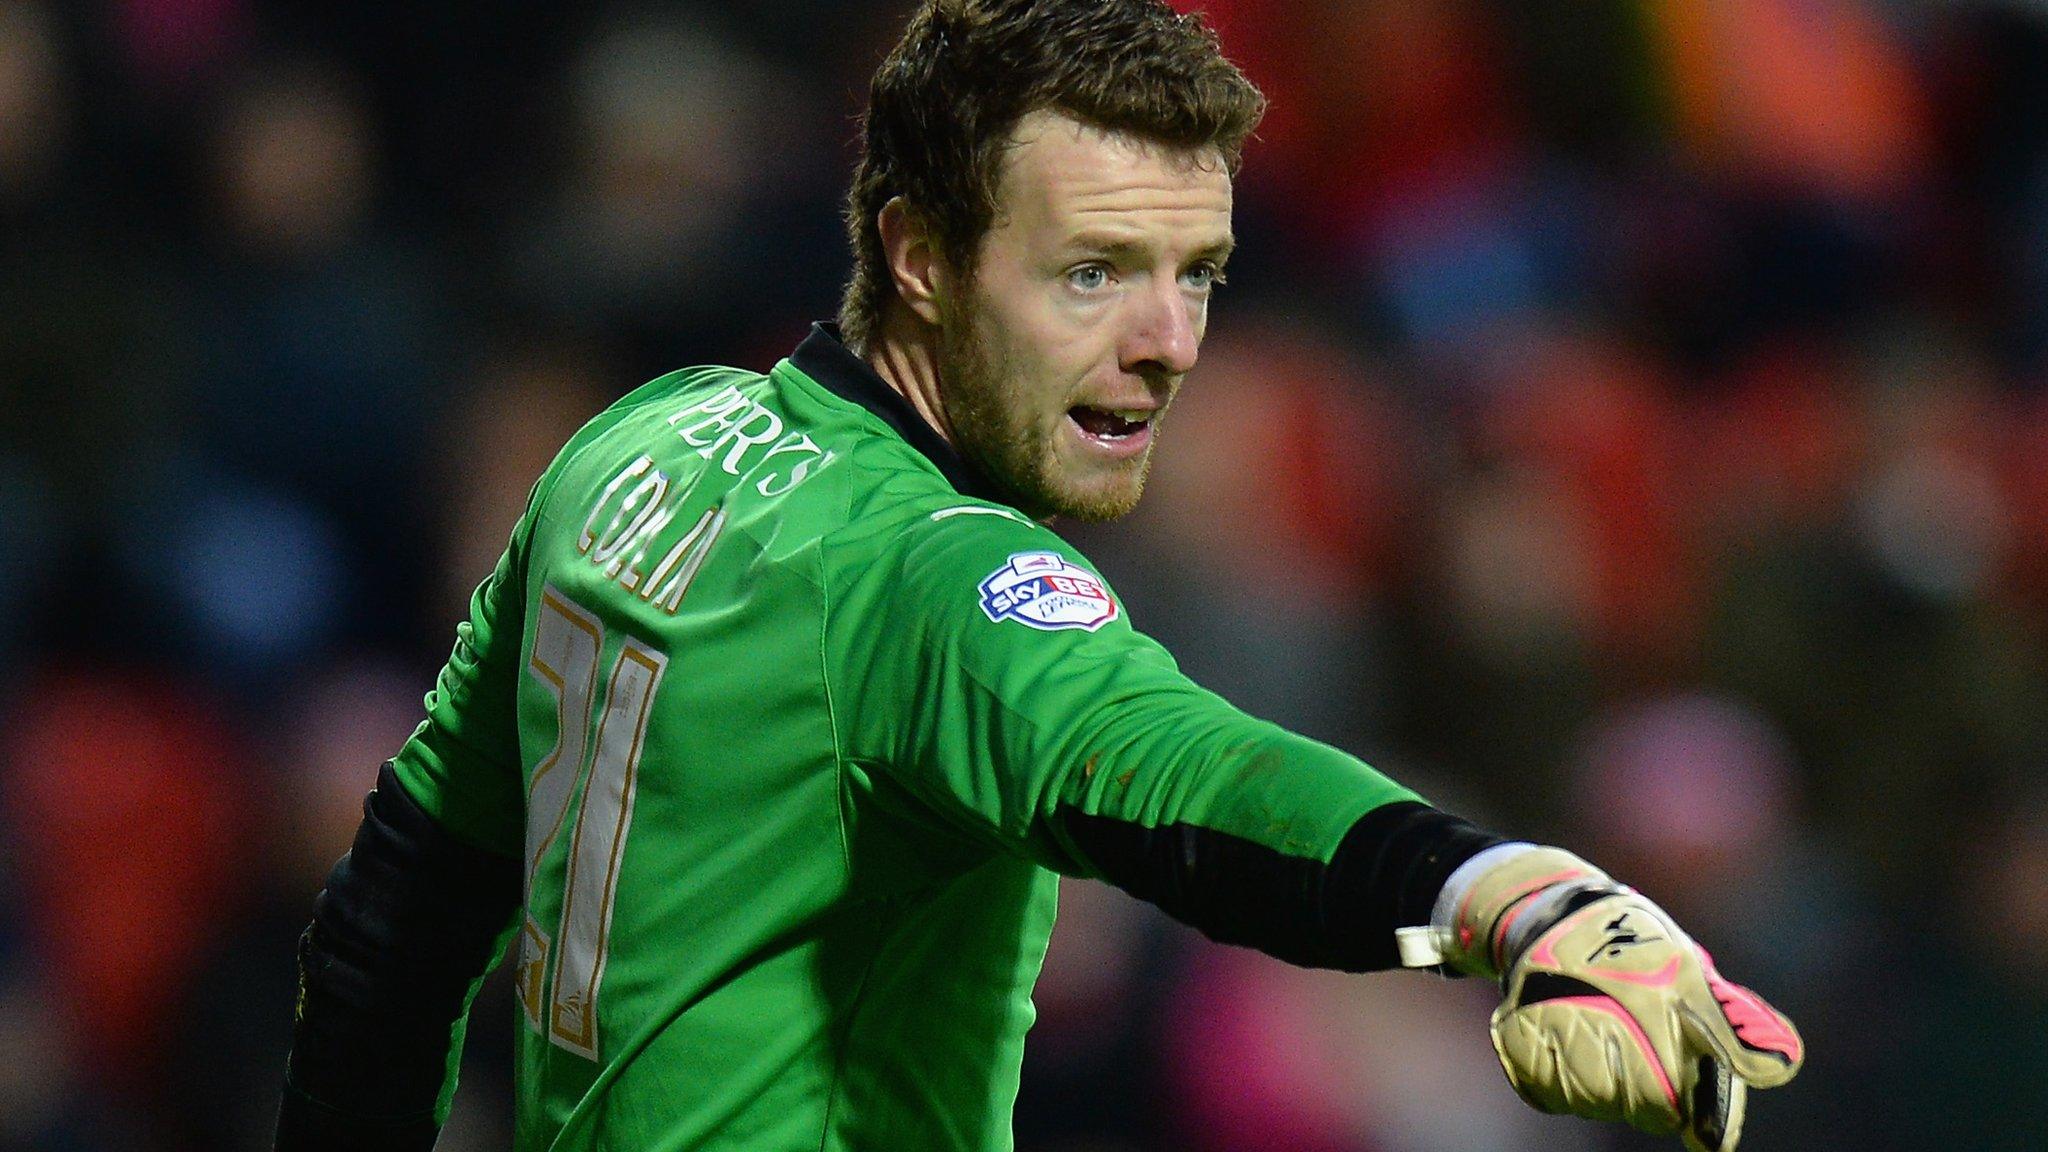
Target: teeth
point(1095, 421)
point(1138, 414)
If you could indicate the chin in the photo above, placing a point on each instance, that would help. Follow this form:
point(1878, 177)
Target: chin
point(1094, 512)
point(1099, 503)
point(1043, 484)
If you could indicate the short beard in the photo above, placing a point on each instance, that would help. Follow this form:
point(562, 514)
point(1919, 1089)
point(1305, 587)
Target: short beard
point(1014, 455)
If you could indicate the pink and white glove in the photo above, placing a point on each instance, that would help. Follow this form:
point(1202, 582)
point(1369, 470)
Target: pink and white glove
point(1609, 1010)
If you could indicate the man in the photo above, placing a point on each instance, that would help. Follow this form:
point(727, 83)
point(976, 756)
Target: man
point(770, 732)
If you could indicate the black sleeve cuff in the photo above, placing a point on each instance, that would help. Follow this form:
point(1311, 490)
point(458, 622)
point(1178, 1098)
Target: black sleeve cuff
point(1385, 875)
point(1390, 868)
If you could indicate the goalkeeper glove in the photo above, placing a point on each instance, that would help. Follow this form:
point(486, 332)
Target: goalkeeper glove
point(1609, 1010)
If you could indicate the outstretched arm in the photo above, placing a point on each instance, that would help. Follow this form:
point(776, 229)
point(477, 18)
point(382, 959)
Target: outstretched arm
point(1609, 1011)
point(1340, 913)
point(1042, 723)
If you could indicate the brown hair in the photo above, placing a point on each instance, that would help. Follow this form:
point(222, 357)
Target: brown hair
point(944, 104)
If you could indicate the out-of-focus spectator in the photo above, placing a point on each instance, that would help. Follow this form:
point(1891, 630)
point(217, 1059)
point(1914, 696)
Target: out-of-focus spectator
point(36, 112)
point(84, 367)
point(46, 1092)
point(1268, 1056)
point(1558, 570)
point(1776, 444)
point(1815, 96)
point(1692, 798)
point(2023, 467)
point(1500, 671)
point(1968, 1066)
point(218, 1088)
point(174, 46)
point(524, 402)
point(1092, 1063)
point(1879, 639)
point(127, 808)
point(671, 233)
point(316, 392)
point(255, 574)
point(1272, 531)
point(1594, 421)
point(1376, 106)
point(292, 164)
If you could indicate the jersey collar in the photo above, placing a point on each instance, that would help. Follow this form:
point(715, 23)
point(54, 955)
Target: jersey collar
point(825, 358)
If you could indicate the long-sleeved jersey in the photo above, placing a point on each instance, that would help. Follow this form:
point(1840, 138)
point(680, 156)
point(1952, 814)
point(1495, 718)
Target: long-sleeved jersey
point(792, 723)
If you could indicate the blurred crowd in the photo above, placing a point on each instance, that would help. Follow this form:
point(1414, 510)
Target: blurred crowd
point(1627, 422)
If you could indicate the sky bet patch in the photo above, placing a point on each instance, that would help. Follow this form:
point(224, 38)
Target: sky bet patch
point(1042, 590)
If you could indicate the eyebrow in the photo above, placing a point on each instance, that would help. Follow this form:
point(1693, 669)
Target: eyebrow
point(1132, 252)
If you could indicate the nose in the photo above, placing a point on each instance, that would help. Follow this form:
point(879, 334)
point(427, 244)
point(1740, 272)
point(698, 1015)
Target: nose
point(1164, 334)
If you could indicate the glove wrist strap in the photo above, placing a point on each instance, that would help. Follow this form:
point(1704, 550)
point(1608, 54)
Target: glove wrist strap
point(1430, 945)
point(1443, 916)
point(1486, 910)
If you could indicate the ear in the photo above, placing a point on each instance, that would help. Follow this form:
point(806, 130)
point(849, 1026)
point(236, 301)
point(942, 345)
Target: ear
point(913, 258)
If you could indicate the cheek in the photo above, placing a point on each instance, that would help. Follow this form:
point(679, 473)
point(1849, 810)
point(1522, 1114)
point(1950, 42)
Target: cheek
point(1081, 343)
point(1043, 348)
point(1041, 355)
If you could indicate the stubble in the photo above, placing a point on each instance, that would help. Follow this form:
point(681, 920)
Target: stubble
point(1001, 433)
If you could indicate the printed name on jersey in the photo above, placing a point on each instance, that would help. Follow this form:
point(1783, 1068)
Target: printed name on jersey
point(1043, 590)
point(735, 429)
point(641, 514)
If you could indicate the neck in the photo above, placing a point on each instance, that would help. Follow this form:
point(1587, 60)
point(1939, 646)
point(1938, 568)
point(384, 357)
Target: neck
point(904, 352)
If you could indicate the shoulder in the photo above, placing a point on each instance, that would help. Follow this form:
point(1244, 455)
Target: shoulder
point(682, 388)
point(902, 510)
point(949, 555)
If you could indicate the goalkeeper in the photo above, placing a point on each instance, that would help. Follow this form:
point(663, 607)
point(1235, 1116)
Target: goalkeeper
point(766, 741)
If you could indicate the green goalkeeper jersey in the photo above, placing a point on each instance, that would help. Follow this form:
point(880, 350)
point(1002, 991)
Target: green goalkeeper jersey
point(790, 721)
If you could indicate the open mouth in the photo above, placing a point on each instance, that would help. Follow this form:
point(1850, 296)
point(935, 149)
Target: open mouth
point(1108, 424)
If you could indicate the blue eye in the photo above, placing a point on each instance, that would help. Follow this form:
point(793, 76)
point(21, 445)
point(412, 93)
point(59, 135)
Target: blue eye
point(1203, 276)
point(1088, 277)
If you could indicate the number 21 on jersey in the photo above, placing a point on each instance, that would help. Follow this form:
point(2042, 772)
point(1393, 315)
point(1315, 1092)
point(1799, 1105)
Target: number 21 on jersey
point(568, 643)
